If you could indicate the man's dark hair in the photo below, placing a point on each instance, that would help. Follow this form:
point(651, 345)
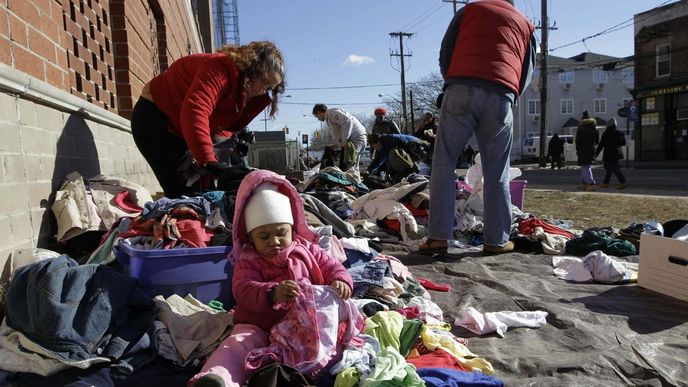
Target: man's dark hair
point(373, 138)
point(319, 108)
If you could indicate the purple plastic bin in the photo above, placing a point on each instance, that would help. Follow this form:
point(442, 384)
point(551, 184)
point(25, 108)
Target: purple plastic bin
point(205, 272)
point(516, 188)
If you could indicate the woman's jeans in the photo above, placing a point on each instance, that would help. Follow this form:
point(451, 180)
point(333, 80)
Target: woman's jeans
point(468, 110)
point(586, 174)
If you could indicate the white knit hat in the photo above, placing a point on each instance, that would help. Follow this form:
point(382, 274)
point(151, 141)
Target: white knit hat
point(611, 122)
point(267, 206)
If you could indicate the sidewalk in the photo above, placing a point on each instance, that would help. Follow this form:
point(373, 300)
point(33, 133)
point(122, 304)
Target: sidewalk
point(656, 182)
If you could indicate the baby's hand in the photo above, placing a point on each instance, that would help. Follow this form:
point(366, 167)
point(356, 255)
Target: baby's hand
point(285, 291)
point(343, 289)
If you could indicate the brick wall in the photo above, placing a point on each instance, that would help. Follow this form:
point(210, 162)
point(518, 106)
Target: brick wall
point(143, 45)
point(80, 63)
point(672, 32)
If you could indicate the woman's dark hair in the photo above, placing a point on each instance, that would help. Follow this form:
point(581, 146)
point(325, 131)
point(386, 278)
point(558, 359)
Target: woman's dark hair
point(319, 108)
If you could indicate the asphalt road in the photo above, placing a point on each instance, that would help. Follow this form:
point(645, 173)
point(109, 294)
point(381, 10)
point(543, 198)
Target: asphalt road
point(656, 182)
point(669, 182)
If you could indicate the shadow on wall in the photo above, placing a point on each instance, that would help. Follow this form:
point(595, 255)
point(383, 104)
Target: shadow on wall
point(76, 151)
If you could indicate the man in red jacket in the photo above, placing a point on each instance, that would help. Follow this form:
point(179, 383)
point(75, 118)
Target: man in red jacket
point(486, 59)
point(201, 97)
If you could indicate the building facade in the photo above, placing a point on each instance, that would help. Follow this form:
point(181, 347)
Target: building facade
point(597, 83)
point(661, 62)
point(70, 73)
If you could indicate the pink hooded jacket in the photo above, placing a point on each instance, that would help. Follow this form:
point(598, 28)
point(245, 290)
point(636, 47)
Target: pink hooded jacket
point(254, 276)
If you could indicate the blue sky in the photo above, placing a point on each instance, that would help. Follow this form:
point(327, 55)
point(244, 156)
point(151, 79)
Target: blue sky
point(337, 43)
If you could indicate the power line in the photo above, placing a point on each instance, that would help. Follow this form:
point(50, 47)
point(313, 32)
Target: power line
point(356, 86)
point(431, 23)
point(341, 87)
point(419, 22)
point(329, 103)
point(611, 29)
point(422, 16)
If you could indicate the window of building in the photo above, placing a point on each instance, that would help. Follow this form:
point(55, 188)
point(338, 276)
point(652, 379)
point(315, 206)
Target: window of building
point(566, 77)
point(599, 76)
point(628, 75)
point(663, 60)
point(566, 106)
point(533, 107)
point(600, 105)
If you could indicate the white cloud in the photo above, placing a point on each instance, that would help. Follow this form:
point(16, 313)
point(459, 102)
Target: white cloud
point(358, 60)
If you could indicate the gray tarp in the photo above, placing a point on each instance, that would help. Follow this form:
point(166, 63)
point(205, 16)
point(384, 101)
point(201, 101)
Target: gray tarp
point(597, 335)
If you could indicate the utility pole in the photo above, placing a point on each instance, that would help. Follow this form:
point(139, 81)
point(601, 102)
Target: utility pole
point(454, 2)
point(401, 55)
point(544, 52)
point(413, 119)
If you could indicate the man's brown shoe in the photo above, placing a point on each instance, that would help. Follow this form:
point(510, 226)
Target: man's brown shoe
point(433, 246)
point(494, 249)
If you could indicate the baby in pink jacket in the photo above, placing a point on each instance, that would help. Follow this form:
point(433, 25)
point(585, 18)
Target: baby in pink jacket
point(273, 247)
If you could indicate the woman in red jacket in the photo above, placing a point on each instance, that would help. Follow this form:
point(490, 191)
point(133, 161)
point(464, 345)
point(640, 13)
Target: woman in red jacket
point(201, 97)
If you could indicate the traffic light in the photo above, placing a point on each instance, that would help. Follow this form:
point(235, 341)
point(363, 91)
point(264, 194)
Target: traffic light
point(286, 130)
point(317, 134)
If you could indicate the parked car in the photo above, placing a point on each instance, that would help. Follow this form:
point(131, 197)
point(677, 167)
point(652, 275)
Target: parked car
point(531, 146)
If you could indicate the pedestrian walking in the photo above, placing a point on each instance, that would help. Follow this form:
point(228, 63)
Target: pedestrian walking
point(486, 58)
point(611, 143)
point(555, 150)
point(586, 141)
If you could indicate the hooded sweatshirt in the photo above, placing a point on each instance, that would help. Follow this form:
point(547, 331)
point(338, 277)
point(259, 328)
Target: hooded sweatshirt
point(255, 277)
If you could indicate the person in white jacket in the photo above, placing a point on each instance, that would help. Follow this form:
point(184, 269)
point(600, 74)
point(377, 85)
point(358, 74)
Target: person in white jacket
point(344, 128)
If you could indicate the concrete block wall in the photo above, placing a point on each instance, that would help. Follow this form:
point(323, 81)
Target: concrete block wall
point(40, 146)
point(70, 71)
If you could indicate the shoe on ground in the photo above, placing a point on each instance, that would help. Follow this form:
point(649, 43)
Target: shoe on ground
point(604, 185)
point(621, 186)
point(209, 380)
point(494, 249)
point(590, 187)
point(433, 246)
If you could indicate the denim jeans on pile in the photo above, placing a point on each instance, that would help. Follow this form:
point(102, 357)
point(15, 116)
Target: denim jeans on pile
point(468, 110)
point(80, 312)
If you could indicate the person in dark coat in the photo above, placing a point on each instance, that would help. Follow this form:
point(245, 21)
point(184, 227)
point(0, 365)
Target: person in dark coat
point(611, 142)
point(555, 150)
point(586, 141)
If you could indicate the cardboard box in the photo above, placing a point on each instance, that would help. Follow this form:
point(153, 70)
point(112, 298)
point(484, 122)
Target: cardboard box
point(663, 265)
